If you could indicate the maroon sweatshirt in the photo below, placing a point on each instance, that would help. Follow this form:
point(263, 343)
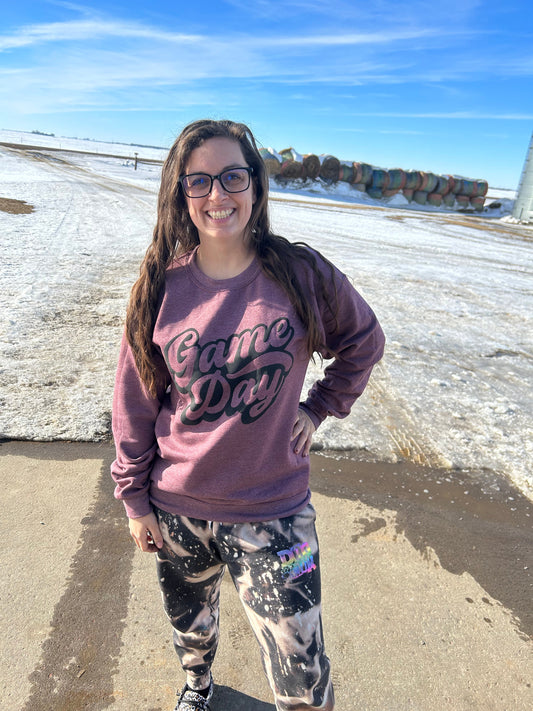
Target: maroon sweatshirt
point(216, 442)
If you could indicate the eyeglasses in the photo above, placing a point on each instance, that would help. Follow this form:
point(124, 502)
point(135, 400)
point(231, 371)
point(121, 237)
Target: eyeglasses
point(233, 180)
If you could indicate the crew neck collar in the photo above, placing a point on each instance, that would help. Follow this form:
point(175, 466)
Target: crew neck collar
point(242, 279)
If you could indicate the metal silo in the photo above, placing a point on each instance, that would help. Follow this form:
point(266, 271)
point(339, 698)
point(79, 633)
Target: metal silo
point(523, 205)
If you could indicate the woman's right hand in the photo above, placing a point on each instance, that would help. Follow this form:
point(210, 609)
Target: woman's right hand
point(146, 533)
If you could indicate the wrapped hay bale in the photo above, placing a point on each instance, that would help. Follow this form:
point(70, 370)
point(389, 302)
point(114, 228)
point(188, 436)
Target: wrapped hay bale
point(346, 172)
point(478, 202)
point(432, 182)
point(273, 165)
point(451, 182)
point(390, 192)
point(412, 180)
point(469, 187)
point(408, 193)
point(449, 199)
point(434, 199)
point(420, 197)
point(463, 201)
point(330, 168)
point(380, 178)
point(291, 154)
point(424, 178)
point(457, 185)
point(474, 188)
point(362, 173)
point(291, 170)
point(482, 188)
point(374, 193)
point(359, 186)
point(311, 164)
point(397, 179)
point(443, 185)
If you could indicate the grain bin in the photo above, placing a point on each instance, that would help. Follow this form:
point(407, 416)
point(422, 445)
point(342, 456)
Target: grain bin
point(523, 205)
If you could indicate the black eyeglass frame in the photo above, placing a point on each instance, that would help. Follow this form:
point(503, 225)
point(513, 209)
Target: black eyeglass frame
point(212, 178)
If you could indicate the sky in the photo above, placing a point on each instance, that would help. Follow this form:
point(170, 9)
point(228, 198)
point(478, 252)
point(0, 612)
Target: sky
point(440, 86)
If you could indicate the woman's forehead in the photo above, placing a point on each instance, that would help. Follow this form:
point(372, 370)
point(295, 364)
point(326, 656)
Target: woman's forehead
point(214, 155)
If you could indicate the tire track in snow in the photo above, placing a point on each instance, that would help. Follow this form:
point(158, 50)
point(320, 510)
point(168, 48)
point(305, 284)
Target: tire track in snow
point(407, 437)
point(65, 296)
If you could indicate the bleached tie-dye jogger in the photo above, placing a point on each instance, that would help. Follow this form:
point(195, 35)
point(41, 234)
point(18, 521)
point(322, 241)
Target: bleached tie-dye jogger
point(275, 568)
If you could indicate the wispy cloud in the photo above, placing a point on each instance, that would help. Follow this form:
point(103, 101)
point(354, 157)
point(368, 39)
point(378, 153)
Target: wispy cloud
point(444, 74)
point(82, 58)
point(381, 132)
point(363, 13)
point(384, 37)
point(449, 115)
point(89, 30)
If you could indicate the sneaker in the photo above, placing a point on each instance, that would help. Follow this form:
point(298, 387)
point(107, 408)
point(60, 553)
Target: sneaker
point(190, 700)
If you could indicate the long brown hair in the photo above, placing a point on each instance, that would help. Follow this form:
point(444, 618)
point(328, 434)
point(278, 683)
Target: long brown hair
point(175, 234)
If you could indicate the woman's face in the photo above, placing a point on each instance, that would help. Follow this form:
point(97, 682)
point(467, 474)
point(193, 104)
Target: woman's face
point(220, 217)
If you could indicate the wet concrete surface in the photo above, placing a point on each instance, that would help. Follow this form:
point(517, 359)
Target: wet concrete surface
point(426, 581)
point(475, 522)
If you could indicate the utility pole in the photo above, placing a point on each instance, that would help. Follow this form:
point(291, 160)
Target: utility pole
point(523, 205)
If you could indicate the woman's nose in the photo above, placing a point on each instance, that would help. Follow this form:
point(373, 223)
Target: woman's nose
point(216, 189)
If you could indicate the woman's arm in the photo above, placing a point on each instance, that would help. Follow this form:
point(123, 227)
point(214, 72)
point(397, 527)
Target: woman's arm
point(135, 413)
point(357, 342)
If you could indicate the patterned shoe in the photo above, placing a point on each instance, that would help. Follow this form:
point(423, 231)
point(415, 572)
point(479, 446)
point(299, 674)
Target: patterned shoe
point(190, 700)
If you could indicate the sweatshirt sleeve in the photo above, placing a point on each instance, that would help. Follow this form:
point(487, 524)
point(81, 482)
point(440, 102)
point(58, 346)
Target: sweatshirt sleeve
point(135, 413)
point(357, 342)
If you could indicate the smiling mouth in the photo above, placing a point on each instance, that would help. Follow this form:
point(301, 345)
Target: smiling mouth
point(220, 214)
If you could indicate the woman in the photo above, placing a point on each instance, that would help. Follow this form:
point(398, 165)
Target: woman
point(212, 442)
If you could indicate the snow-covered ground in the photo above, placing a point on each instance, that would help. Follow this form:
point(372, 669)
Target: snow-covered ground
point(25, 138)
point(453, 293)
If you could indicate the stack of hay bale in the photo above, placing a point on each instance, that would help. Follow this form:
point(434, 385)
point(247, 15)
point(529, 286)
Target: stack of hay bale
point(415, 185)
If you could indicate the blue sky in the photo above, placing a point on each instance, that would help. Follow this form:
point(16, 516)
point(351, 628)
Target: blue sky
point(442, 86)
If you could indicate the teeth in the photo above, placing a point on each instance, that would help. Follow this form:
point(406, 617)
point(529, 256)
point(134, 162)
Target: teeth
point(220, 214)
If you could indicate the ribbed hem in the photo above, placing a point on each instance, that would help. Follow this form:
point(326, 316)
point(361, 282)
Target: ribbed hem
point(223, 512)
